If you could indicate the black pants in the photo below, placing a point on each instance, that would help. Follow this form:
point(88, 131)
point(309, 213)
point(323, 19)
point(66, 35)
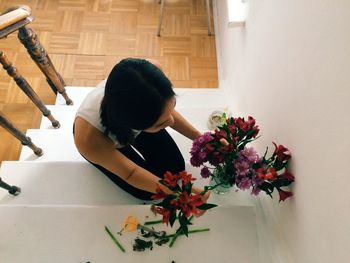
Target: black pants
point(160, 154)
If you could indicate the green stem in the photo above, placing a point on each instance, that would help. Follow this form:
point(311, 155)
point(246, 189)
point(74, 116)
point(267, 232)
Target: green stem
point(209, 188)
point(191, 232)
point(153, 222)
point(177, 234)
point(114, 239)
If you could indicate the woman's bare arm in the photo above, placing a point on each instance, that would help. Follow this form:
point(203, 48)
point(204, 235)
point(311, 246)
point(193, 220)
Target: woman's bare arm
point(182, 126)
point(99, 149)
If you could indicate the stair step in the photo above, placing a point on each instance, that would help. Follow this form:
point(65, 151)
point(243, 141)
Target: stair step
point(56, 145)
point(80, 183)
point(198, 117)
point(59, 146)
point(64, 114)
point(76, 234)
point(185, 96)
point(68, 183)
point(76, 94)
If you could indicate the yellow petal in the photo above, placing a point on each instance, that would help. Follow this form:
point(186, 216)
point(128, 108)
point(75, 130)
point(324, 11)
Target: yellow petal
point(130, 223)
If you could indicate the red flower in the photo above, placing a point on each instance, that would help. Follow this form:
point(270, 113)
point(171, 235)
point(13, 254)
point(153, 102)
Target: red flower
point(209, 148)
point(282, 153)
point(164, 212)
point(271, 175)
point(287, 175)
point(186, 177)
point(160, 194)
point(284, 194)
point(217, 158)
point(247, 126)
point(261, 173)
point(170, 179)
point(256, 131)
point(188, 203)
point(232, 128)
point(220, 134)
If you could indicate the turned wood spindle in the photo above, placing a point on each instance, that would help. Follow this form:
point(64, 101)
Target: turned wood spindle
point(30, 40)
point(14, 190)
point(25, 140)
point(27, 89)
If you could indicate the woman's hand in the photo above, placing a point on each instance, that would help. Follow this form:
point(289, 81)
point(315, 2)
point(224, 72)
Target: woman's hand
point(205, 198)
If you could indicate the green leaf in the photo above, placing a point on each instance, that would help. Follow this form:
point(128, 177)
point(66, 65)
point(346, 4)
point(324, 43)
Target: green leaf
point(280, 182)
point(206, 206)
point(172, 217)
point(177, 188)
point(183, 223)
point(188, 188)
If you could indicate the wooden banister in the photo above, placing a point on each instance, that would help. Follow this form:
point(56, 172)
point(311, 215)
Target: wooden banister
point(13, 19)
point(37, 52)
point(26, 141)
point(27, 89)
point(17, 18)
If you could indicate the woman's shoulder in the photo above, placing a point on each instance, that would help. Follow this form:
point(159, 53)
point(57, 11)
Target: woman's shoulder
point(89, 109)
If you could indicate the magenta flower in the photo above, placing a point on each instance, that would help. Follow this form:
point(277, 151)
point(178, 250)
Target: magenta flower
point(205, 173)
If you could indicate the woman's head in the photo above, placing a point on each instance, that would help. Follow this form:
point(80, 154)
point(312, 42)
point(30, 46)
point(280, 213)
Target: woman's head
point(138, 96)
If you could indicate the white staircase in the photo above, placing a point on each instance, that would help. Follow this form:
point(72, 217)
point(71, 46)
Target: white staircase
point(66, 202)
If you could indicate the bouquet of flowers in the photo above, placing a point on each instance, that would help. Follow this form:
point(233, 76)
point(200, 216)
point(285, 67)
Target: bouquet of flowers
point(181, 204)
point(225, 157)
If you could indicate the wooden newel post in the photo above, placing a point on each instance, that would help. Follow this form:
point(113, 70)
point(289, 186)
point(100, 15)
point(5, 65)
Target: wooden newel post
point(26, 141)
point(30, 40)
point(14, 190)
point(27, 89)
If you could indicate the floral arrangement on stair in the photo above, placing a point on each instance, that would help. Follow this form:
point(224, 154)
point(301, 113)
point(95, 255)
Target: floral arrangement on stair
point(227, 160)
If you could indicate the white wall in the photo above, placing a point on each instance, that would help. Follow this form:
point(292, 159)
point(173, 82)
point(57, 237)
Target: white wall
point(290, 69)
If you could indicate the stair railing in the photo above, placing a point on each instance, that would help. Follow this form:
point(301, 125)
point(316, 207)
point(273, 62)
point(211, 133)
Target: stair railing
point(17, 19)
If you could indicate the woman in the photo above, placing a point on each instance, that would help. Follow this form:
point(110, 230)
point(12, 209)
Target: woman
point(131, 112)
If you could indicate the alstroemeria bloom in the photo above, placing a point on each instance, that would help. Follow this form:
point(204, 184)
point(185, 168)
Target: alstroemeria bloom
point(130, 223)
point(170, 179)
point(272, 174)
point(189, 203)
point(283, 154)
point(164, 212)
point(284, 194)
point(287, 175)
point(186, 177)
point(160, 194)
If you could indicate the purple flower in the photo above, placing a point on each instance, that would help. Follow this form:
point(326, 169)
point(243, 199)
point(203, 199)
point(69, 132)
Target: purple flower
point(205, 173)
point(195, 161)
point(250, 154)
point(207, 136)
point(241, 166)
point(244, 183)
point(255, 190)
point(194, 149)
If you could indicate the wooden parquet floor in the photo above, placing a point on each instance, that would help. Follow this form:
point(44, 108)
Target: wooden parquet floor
point(85, 38)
